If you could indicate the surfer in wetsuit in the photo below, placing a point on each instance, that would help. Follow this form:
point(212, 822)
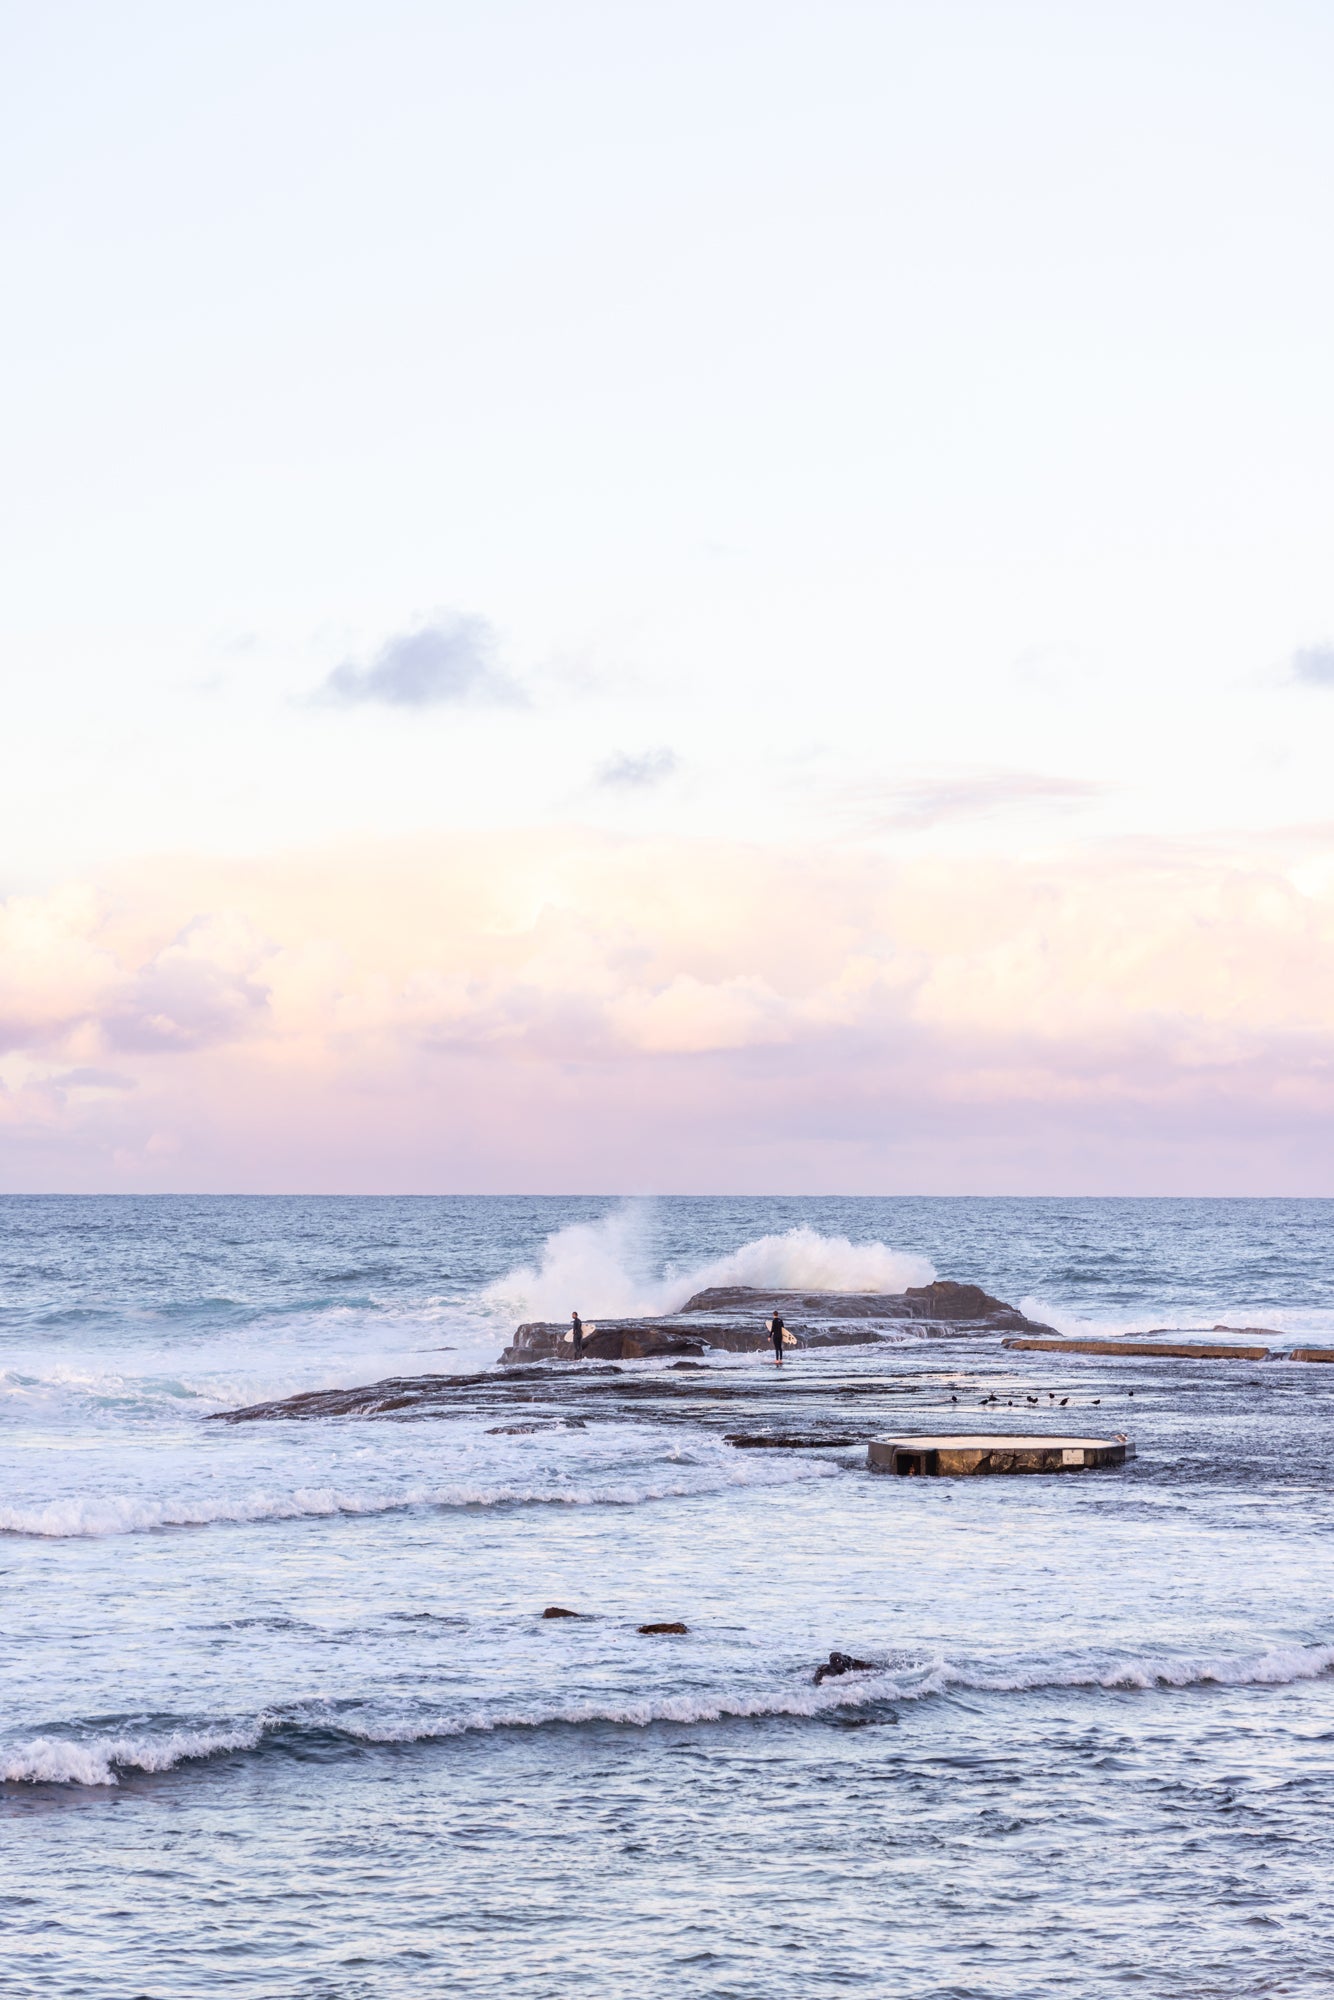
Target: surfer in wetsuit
point(577, 1327)
point(776, 1335)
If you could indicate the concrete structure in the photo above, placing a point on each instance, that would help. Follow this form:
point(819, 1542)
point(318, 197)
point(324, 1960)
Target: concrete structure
point(961, 1455)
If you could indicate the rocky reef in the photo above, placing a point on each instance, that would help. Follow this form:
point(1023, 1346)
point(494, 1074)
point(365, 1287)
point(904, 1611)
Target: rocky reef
point(732, 1318)
point(543, 1396)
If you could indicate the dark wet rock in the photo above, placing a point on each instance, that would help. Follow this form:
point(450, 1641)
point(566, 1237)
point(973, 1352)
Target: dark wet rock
point(943, 1302)
point(814, 1319)
point(656, 1339)
point(655, 1631)
point(609, 1340)
point(770, 1404)
point(424, 1393)
point(759, 1440)
point(840, 1663)
point(559, 1611)
point(526, 1430)
point(373, 1400)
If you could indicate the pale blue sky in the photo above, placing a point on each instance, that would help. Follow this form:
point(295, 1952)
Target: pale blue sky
point(843, 414)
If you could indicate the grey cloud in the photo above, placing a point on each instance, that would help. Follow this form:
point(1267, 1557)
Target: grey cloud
point(450, 661)
point(650, 767)
point(1314, 665)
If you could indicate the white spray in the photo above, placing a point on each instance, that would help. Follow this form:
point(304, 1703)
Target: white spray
point(605, 1268)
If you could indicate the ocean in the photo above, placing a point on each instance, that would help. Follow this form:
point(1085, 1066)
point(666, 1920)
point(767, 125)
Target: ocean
point(282, 1716)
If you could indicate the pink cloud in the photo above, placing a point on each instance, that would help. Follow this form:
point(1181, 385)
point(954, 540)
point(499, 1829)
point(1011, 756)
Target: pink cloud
point(568, 1011)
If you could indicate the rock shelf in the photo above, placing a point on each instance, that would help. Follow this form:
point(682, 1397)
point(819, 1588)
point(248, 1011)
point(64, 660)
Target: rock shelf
point(944, 1310)
point(1175, 1350)
point(710, 1396)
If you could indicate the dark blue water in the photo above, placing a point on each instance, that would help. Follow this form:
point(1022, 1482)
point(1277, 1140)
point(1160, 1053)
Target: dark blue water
point(281, 1716)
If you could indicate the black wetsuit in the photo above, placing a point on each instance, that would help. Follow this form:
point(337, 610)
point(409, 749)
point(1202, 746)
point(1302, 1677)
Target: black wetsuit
point(776, 1335)
point(578, 1326)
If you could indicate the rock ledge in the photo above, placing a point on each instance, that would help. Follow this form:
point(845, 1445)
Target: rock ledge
point(816, 1319)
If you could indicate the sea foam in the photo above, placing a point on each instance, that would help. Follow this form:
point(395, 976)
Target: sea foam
point(605, 1267)
point(93, 1759)
point(126, 1514)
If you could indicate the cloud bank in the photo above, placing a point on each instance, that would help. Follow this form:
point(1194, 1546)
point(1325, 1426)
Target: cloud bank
point(543, 1011)
point(932, 802)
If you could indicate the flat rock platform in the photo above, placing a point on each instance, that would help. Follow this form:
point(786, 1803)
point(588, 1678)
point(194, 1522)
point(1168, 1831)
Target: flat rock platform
point(1151, 1350)
point(953, 1454)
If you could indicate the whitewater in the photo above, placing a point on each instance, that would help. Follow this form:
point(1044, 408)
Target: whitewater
point(282, 1715)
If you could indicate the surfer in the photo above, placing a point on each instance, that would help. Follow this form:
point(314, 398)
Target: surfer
point(776, 1335)
point(577, 1328)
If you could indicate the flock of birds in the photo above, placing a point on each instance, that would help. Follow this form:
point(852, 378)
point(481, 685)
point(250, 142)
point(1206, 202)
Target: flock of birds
point(1034, 1400)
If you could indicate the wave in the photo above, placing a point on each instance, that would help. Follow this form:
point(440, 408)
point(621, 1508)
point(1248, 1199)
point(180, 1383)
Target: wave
point(903, 1683)
point(167, 1381)
point(603, 1268)
point(1278, 1668)
point(58, 1760)
point(124, 1514)
point(94, 1759)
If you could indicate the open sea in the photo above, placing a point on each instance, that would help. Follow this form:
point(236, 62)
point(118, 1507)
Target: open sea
point(282, 1718)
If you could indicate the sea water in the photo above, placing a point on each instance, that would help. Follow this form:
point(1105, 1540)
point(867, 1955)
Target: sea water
point(282, 1717)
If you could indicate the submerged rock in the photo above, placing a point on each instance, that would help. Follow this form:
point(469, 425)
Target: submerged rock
point(655, 1630)
point(547, 1424)
point(761, 1440)
point(840, 1663)
point(559, 1611)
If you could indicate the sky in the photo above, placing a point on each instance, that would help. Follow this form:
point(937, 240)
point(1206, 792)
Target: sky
point(730, 598)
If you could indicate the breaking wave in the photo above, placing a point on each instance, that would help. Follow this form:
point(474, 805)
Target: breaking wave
point(95, 1759)
point(119, 1514)
point(60, 1760)
point(604, 1267)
